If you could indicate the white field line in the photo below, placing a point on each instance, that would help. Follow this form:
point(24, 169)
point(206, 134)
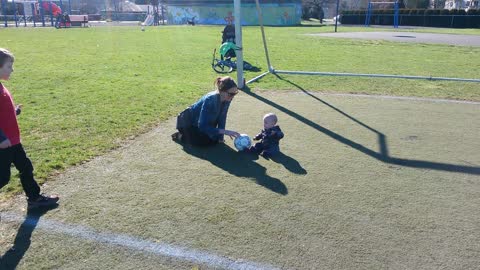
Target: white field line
point(122, 240)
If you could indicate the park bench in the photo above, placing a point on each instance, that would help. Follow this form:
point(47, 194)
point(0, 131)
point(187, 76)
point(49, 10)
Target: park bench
point(78, 20)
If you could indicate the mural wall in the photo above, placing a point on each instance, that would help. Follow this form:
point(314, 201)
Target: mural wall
point(287, 13)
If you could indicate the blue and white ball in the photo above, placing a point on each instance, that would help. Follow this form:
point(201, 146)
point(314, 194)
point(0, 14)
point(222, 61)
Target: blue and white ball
point(242, 142)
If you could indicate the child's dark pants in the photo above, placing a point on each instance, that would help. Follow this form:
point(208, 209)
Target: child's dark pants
point(259, 148)
point(16, 155)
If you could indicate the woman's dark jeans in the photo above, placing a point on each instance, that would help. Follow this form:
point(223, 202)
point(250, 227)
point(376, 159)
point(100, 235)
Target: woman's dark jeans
point(192, 135)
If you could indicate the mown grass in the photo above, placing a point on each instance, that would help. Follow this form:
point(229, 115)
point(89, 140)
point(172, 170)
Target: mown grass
point(333, 200)
point(389, 28)
point(85, 91)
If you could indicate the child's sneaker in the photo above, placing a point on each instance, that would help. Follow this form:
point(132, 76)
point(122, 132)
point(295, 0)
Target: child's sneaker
point(42, 201)
point(252, 150)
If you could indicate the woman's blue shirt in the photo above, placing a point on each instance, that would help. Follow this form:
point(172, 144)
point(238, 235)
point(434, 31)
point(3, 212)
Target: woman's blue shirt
point(209, 114)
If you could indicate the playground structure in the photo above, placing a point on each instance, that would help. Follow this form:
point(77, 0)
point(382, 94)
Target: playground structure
point(155, 13)
point(54, 13)
point(32, 12)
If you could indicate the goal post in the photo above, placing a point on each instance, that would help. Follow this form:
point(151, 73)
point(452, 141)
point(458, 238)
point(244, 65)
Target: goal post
point(272, 70)
point(238, 41)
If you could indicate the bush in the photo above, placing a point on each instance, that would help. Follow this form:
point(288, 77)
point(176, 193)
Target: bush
point(444, 12)
point(434, 19)
point(473, 19)
point(416, 17)
point(428, 12)
point(473, 12)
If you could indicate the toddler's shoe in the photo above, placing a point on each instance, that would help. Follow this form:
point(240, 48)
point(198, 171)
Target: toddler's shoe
point(250, 150)
point(266, 155)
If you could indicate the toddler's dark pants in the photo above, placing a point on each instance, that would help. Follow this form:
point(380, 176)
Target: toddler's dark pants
point(259, 148)
point(16, 155)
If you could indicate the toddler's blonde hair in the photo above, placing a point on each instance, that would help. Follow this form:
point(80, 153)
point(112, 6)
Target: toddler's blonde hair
point(271, 116)
point(5, 55)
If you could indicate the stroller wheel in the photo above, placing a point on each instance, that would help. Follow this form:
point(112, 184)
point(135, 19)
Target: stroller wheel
point(221, 68)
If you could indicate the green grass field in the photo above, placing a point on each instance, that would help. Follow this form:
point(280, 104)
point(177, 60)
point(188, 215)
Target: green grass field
point(85, 91)
point(364, 182)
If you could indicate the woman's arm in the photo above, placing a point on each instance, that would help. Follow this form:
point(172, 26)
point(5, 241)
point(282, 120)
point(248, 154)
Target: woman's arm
point(207, 116)
point(229, 133)
point(222, 119)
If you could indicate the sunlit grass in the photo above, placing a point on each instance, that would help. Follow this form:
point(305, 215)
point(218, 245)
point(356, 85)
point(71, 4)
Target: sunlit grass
point(85, 91)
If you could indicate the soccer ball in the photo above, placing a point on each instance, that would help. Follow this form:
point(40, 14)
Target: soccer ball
point(143, 28)
point(242, 142)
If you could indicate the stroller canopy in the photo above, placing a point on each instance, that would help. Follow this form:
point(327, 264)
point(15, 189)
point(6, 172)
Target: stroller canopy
point(227, 49)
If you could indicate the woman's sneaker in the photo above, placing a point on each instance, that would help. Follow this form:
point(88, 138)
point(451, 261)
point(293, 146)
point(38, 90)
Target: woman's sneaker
point(42, 201)
point(177, 136)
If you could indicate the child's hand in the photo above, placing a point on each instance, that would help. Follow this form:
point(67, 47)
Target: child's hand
point(5, 144)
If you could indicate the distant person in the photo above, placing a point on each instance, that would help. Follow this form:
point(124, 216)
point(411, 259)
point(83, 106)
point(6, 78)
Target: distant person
point(63, 20)
point(11, 149)
point(66, 19)
point(204, 122)
point(228, 33)
point(191, 21)
point(321, 15)
point(156, 18)
point(269, 137)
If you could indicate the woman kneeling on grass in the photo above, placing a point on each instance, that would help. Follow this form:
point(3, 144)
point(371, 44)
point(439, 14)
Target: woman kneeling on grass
point(203, 123)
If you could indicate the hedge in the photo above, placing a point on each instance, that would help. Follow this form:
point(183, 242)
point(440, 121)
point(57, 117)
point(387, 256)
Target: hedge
point(455, 18)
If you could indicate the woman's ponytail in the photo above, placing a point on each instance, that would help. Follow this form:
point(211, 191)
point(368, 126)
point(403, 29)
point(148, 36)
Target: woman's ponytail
point(222, 84)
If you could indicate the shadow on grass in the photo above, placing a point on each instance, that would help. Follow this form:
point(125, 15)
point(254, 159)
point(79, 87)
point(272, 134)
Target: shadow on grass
point(382, 155)
point(289, 163)
point(254, 69)
point(238, 164)
point(14, 255)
